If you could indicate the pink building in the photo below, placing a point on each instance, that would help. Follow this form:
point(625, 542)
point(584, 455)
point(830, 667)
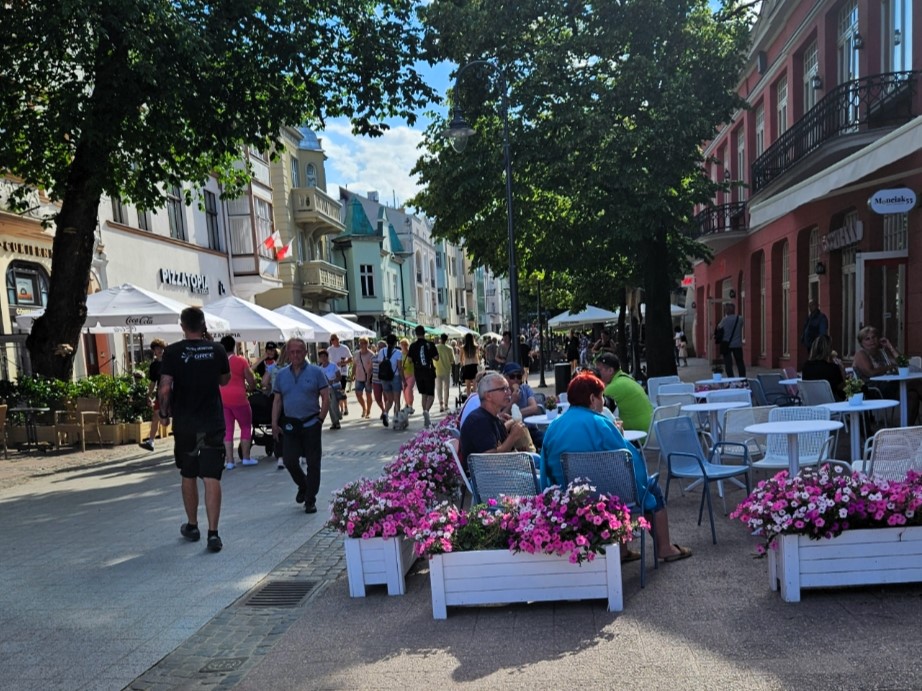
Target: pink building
point(823, 170)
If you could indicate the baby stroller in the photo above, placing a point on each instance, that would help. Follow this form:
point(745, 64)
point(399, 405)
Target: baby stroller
point(261, 407)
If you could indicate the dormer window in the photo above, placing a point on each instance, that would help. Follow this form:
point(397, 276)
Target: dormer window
point(311, 175)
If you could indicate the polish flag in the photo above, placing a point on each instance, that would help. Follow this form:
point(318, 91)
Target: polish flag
point(283, 252)
point(274, 240)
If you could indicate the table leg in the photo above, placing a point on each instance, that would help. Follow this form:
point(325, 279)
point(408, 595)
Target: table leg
point(904, 414)
point(793, 455)
point(856, 435)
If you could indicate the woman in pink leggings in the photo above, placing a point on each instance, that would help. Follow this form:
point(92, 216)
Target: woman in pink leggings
point(237, 406)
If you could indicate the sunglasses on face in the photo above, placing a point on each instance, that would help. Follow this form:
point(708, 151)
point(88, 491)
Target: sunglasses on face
point(514, 376)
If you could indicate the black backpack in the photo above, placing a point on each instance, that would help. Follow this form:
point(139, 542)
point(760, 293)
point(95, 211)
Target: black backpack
point(386, 367)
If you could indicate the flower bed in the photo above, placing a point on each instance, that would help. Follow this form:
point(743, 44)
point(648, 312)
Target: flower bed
point(826, 527)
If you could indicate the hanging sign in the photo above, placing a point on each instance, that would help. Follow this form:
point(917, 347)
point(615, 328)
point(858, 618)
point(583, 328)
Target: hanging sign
point(898, 200)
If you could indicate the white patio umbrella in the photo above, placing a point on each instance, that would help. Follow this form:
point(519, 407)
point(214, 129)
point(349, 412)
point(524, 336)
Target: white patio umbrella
point(674, 311)
point(322, 326)
point(130, 309)
point(450, 331)
point(250, 322)
point(492, 334)
point(590, 315)
point(357, 329)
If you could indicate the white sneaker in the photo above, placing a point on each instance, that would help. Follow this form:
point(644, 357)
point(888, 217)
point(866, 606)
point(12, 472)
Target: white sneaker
point(229, 465)
point(280, 464)
point(249, 461)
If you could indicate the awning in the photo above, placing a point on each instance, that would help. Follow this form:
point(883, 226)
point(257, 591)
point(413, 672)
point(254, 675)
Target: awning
point(888, 149)
point(412, 325)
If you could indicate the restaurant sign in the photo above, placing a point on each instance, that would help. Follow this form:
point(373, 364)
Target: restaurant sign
point(899, 200)
point(195, 283)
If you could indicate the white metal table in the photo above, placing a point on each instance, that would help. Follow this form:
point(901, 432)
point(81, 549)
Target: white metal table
point(713, 410)
point(854, 411)
point(792, 428)
point(902, 379)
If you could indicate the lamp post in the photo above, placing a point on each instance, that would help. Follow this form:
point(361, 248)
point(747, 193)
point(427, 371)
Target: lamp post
point(458, 133)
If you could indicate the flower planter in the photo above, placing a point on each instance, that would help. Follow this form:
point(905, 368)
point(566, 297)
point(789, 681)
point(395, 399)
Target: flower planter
point(133, 432)
point(499, 576)
point(110, 434)
point(378, 561)
point(856, 557)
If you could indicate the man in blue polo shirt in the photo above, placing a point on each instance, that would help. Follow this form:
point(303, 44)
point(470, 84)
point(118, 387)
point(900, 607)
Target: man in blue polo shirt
point(299, 408)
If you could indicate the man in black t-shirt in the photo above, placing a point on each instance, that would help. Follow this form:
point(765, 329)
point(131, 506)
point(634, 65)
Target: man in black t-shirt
point(190, 379)
point(272, 355)
point(484, 431)
point(423, 353)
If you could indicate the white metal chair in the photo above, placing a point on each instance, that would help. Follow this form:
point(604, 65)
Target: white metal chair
point(681, 387)
point(895, 452)
point(668, 399)
point(653, 384)
point(651, 444)
point(452, 446)
point(814, 392)
point(813, 447)
point(915, 363)
point(736, 420)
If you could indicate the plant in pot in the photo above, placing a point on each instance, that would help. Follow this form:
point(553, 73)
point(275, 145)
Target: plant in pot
point(902, 365)
point(854, 390)
point(717, 369)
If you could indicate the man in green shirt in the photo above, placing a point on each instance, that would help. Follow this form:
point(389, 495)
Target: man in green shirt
point(634, 407)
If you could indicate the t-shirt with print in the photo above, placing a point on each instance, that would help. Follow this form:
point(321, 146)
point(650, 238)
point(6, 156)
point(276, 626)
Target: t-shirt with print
point(423, 353)
point(196, 367)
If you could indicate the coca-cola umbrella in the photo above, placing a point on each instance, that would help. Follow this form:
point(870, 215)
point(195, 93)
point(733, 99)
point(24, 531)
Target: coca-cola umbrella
point(130, 309)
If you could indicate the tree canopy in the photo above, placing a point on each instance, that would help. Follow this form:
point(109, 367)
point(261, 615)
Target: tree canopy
point(125, 98)
point(610, 102)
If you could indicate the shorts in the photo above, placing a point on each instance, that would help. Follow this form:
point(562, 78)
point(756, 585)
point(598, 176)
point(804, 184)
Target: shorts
point(392, 386)
point(425, 385)
point(199, 454)
point(468, 372)
point(361, 386)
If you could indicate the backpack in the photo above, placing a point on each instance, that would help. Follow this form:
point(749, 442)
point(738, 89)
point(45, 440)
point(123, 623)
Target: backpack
point(386, 367)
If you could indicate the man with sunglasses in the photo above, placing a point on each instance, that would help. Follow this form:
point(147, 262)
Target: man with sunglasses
point(485, 431)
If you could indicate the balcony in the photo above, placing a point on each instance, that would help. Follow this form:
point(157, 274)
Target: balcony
point(720, 226)
point(852, 108)
point(320, 279)
point(315, 211)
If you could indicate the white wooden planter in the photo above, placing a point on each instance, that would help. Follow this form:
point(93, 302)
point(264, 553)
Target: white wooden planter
point(856, 557)
point(378, 561)
point(499, 576)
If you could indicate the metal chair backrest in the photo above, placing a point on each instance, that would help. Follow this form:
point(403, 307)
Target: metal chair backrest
point(810, 444)
point(650, 442)
point(653, 384)
point(502, 474)
point(681, 387)
point(452, 445)
point(677, 435)
point(895, 452)
point(736, 420)
point(728, 395)
point(775, 392)
point(610, 472)
point(680, 399)
point(758, 395)
point(815, 392)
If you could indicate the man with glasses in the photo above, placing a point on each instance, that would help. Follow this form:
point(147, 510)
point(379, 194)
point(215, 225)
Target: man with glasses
point(485, 431)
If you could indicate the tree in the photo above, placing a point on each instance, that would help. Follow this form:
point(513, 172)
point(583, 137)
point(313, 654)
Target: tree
point(610, 102)
point(127, 98)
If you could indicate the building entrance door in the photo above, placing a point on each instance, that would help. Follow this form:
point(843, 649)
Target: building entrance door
point(881, 282)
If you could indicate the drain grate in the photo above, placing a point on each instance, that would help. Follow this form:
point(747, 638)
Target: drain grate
point(280, 594)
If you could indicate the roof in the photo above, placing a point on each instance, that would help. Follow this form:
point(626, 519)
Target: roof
point(309, 140)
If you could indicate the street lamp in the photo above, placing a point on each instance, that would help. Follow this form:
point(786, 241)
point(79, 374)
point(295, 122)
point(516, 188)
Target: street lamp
point(458, 133)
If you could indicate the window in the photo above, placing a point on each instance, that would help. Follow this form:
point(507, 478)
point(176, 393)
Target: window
point(367, 279)
point(26, 284)
point(781, 98)
point(311, 175)
point(295, 173)
point(740, 190)
point(263, 226)
point(847, 319)
point(211, 220)
point(760, 130)
point(785, 300)
point(174, 209)
point(896, 41)
point(144, 222)
point(811, 71)
point(118, 211)
point(896, 231)
point(763, 333)
point(240, 226)
point(813, 279)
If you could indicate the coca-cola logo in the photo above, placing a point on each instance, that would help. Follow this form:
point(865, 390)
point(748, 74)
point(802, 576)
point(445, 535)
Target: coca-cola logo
point(139, 321)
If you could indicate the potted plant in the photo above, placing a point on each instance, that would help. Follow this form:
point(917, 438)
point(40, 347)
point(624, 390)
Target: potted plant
point(902, 365)
point(548, 547)
point(854, 390)
point(828, 527)
point(717, 370)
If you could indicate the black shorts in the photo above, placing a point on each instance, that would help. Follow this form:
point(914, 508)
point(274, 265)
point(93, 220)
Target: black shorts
point(468, 372)
point(199, 454)
point(425, 384)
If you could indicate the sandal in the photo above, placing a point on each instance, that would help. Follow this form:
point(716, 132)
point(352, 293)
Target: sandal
point(684, 553)
point(629, 556)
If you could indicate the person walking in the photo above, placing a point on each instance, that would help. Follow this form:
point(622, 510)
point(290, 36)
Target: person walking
point(341, 356)
point(470, 363)
point(816, 324)
point(731, 340)
point(390, 373)
point(409, 374)
point(444, 367)
point(193, 372)
point(237, 406)
point(299, 409)
point(363, 367)
point(157, 347)
point(331, 372)
point(424, 355)
point(375, 379)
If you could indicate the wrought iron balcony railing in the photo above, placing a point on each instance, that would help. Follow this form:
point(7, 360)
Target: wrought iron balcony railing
point(860, 104)
point(723, 218)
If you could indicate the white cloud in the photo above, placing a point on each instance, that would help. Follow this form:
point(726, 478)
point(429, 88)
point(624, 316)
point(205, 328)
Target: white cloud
point(362, 164)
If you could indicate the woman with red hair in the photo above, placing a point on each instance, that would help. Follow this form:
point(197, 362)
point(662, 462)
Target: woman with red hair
point(584, 428)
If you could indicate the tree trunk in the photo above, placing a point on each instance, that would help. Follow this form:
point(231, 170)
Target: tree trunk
point(54, 337)
point(660, 340)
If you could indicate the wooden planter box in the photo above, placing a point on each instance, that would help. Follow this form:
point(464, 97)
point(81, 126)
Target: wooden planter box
point(378, 561)
point(499, 576)
point(109, 434)
point(856, 557)
point(133, 432)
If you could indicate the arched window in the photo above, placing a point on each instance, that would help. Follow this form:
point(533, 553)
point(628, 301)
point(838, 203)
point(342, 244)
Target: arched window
point(311, 175)
point(26, 284)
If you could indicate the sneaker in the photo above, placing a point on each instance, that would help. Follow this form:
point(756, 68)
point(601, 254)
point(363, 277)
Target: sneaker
point(299, 498)
point(426, 422)
point(214, 543)
point(249, 461)
point(229, 465)
point(346, 412)
point(280, 464)
point(384, 419)
point(310, 508)
point(147, 444)
point(335, 425)
point(190, 532)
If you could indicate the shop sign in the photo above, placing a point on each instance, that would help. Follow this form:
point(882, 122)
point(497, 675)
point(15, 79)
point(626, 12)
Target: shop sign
point(899, 200)
point(194, 283)
point(688, 281)
point(849, 234)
